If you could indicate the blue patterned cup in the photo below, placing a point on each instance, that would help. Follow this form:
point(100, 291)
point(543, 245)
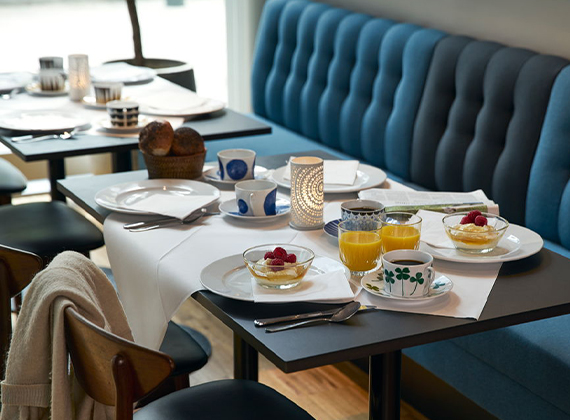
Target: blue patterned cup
point(236, 164)
point(256, 197)
point(364, 213)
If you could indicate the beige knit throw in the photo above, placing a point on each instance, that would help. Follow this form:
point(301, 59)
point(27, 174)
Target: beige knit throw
point(38, 384)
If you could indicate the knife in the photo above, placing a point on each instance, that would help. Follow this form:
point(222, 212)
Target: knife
point(269, 321)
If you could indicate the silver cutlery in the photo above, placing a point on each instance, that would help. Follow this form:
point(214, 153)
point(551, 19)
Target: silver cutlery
point(340, 316)
point(66, 135)
point(11, 94)
point(289, 318)
point(193, 217)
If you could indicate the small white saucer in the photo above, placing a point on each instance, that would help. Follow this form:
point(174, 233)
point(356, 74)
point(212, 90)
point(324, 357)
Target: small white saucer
point(440, 286)
point(229, 208)
point(106, 124)
point(213, 174)
point(34, 89)
point(90, 102)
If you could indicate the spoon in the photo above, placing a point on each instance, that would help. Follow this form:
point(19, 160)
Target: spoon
point(11, 94)
point(342, 315)
point(66, 135)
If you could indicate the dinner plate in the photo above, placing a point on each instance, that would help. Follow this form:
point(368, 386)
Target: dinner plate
point(207, 107)
point(121, 197)
point(123, 73)
point(440, 286)
point(230, 278)
point(106, 124)
point(42, 121)
point(366, 177)
point(34, 89)
point(229, 208)
point(213, 174)
point(517, 243)
point(11, 81)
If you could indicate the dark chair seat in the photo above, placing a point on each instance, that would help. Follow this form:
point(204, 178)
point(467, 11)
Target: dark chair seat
point(46, 229)
point(12, 180)
point(226, 399)
point(188, 348)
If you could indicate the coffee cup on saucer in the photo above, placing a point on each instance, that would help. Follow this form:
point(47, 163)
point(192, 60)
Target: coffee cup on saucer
point(364, 213)
point(408, 273)
point(236, 164)
point(256, 198)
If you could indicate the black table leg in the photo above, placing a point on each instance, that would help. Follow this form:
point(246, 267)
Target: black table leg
point(121, 161)
point(56, 169)
point(245, 360)
point(384, 391)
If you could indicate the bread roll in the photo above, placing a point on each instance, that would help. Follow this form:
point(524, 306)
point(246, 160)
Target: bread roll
point(187, 142)
point(156, 138)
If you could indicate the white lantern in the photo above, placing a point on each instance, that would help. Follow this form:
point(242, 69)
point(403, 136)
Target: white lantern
point(307, 193)
point(79, 77)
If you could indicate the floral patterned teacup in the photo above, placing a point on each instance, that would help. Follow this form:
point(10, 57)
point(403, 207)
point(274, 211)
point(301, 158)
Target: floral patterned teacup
point(407, 273)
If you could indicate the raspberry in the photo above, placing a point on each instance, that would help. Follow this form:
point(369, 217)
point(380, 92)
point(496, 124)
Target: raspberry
point(280, 253)
point(291, 258)
point(473, 214)
point(269, 255)
point(465, 220)
point(480, 220)
point(277, 261)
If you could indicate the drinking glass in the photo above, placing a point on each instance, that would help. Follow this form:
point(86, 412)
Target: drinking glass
point(360, 246)
point(400, 231)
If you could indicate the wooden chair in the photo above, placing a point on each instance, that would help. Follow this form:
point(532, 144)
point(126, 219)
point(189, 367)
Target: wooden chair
point(17, 268)
point(117, 372)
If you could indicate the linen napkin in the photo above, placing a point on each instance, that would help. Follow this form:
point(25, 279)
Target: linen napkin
point(170, 205)
point(433, 232)
point(173, 101)
point(327, 287)
point(339, 172)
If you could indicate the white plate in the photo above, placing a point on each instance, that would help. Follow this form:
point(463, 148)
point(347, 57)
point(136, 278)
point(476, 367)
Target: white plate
point(209, 106)
point(517, 243)
point(122, 72)
point(213, 174)
point(229, 208)
point(120, 197)
point(440, 286)
point(90, 102)
point(230, 278)
point(42, 121)
point(11, 81)
point(35, 90)
point(366, 177)
point(106, 124)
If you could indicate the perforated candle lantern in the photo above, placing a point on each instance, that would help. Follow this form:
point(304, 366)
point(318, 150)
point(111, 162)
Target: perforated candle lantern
point(307, 195)
point(79, 77)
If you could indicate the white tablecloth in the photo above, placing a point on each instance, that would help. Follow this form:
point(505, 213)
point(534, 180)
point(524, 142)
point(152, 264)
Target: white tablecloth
point(156, 271)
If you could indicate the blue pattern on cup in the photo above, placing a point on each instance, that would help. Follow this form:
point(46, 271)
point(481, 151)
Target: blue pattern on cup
point(236, 168)
point(269, 203)
point(221, 168)
point(242, 206)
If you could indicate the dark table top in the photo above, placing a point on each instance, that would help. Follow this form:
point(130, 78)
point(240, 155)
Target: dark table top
point(219, 125)
point(526, 290)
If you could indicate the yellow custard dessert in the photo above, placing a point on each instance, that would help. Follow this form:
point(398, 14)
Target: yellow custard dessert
point(475, 232)
point(473, 236)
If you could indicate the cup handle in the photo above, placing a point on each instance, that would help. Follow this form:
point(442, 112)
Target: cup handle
point(430, 276)
point(252, 202)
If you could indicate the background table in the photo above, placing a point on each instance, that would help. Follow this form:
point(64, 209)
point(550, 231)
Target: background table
point(378, 335)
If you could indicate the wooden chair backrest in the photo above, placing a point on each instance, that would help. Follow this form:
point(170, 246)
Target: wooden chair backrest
point(17, 269)
point(111, 370)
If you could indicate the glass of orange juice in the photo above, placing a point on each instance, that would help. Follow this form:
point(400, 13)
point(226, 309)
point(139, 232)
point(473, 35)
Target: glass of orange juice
point(400, 231)
point(360, 246)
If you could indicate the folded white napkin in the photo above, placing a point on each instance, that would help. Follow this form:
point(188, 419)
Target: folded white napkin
point(120, 72)
point(339, 172)
point(433, 232)
point(170, 205)
point(325, 287)
point(172, 101)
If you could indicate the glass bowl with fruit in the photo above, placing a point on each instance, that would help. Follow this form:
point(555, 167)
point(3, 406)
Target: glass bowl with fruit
point(475, 232)
point(278, 266)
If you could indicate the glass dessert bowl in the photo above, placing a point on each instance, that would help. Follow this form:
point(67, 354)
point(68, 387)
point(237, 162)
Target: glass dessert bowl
point(475, 232)
point(278, 266)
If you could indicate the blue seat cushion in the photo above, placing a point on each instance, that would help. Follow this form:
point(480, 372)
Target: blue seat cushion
point(519, 372)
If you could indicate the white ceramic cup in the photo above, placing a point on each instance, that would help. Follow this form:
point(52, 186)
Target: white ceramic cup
point(407, 273)
point(256, 197)
point(51, 80)
point(51, 63)
point(236, 164)
point(123, 113)
point(106, 92)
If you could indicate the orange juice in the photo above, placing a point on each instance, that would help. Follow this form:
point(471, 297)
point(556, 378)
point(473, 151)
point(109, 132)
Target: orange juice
point(399, 237)
point(360, 250)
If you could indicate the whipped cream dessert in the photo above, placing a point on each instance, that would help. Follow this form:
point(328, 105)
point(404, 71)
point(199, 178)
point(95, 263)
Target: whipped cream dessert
point(287, 271)
point(474, 234)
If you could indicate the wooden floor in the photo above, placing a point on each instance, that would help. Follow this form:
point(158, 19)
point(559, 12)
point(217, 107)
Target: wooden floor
point(335, 392)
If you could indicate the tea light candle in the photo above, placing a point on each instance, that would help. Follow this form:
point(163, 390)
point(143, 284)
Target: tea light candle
point(307, 193)
point(79, 77)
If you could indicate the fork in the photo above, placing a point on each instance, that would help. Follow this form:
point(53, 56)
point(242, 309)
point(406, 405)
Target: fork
point(66, 135)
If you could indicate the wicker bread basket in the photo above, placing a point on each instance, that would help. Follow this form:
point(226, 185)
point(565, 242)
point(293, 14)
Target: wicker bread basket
point(183, 167)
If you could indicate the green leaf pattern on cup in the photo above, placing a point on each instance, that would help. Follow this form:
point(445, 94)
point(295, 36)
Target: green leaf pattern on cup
point(418, 279)
point(403, 274)
point(389, 278)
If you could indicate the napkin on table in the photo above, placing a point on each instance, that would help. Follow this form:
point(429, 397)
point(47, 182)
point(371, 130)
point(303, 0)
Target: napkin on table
point(328, 287)
point(172, 101)
point(340, 172)
point(174, 206)
point(433, 232)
